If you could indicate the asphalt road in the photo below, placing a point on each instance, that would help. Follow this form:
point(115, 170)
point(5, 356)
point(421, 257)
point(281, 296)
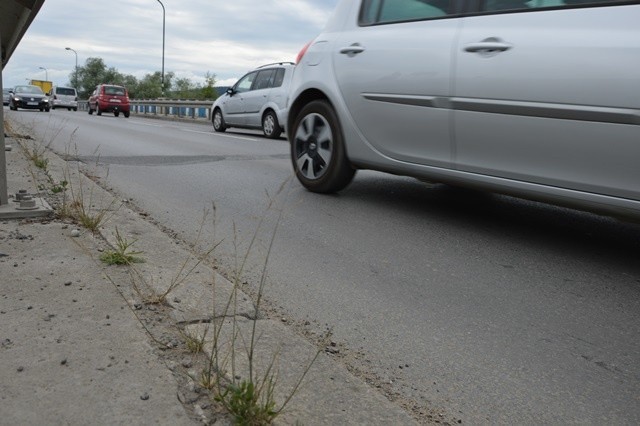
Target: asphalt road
point(495, 309)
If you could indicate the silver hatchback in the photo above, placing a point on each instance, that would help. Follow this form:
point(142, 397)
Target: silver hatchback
point(257, 101)
point(539, 99)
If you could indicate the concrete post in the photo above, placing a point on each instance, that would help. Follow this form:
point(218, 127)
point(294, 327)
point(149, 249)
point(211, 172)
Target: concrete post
point(4, 196)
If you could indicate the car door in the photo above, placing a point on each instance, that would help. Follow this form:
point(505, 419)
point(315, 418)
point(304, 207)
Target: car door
point(551, 96)
point(394, 71)
point(258, 96)
point(234, 106)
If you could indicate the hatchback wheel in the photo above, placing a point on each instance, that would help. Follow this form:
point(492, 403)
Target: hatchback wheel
point(98, 112)
point(90, 110)
point(116, 113)
point(218, 121)
point(270, 126)
point(317, 149)
point(126, 114)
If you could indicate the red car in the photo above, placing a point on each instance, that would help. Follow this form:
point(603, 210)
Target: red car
point(109, 98)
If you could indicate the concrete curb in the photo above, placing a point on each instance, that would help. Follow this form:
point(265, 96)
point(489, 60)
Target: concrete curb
point(328, 395)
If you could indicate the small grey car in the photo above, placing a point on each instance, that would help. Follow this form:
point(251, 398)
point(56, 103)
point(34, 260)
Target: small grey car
point(539, 99)
point(257, 101)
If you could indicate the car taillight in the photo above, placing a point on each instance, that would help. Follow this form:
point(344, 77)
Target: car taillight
point(302, 52)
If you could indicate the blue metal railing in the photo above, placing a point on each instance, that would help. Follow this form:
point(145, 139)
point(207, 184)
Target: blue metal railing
point(182, 109)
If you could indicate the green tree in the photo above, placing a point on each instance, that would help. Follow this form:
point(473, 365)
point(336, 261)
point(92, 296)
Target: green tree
point(208, 91)
point(150, 87)
point(184, 88)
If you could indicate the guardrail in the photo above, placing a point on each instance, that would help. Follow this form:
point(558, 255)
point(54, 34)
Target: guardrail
point(169, 108)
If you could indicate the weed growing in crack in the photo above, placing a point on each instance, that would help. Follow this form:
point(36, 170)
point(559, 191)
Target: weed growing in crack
point(250, 399)
point(195, 343)
point(122, 255)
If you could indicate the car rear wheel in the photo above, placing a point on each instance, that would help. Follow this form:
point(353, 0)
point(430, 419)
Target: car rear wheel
point(98, 112)
point(317, 149)
point(270, 126)
point(116, 113)
point(90, 110)
point(218, 121)
point(126, 114)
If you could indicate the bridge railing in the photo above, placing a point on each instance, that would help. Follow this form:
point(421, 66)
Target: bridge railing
point(167, 108)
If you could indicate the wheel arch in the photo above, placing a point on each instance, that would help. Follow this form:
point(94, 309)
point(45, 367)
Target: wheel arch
point(304, 98)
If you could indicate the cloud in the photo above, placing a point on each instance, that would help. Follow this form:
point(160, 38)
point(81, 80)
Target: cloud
point(226, 38)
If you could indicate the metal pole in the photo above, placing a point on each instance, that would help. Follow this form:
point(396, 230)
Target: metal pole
point(76, 53)
point(163, 28)
point(46, 73)
point(4, 196)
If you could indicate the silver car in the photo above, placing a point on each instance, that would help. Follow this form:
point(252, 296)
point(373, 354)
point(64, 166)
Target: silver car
point(257, 101)
point(537, 99)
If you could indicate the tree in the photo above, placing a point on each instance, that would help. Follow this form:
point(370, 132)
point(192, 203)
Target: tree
point(208, 91)
point(184, 89)
point(150, 87)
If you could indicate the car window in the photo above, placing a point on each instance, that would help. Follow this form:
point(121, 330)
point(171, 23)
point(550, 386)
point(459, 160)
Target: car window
point(264, 79)
point(500, 5)
point(279, 77)
point(65, 91)
point(244, 85)
point(116, 91)
point(386, 11)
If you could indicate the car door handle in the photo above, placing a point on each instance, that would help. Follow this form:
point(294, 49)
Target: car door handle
point(354, 49)
point(489, 45)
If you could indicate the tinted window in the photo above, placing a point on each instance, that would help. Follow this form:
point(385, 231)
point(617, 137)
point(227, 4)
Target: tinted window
point(498, 5)
point(244, 85)
point(264, 79)
point(112, 90)
point(385, 11)
point(65, 91)
point(279, 77)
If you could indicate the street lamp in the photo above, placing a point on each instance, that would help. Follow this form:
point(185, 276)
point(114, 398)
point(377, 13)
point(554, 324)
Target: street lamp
point(76, 83)
point(46, 73)
point(163, 14)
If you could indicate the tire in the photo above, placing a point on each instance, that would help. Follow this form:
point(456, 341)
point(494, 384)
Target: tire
point(218, 121)
point(98, 112)
point(47, 109)
point(75, 108)
point(90, 110)
point(317, 149)
point(126, 114)
point(116, 113)
point(270, 126)
point(13, 107)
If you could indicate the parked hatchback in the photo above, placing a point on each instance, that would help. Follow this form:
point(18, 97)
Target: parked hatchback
point(535, 99)
point(63, 97)
point(109, 98)
point(257, 101)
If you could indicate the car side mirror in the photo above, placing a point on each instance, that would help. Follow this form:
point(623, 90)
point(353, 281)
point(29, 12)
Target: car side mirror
point(230, 91)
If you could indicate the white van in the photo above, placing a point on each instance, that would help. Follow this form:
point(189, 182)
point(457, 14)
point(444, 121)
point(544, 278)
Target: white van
point(63, 97)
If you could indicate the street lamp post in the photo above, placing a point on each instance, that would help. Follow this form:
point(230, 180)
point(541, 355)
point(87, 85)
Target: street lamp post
point(46, 73)
point(163, 15)
point(76, 82)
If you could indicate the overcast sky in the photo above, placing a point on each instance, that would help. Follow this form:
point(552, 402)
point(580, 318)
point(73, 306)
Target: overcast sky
point(224, 37)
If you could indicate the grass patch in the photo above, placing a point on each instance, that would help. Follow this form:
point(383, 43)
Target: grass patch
point(122, 255)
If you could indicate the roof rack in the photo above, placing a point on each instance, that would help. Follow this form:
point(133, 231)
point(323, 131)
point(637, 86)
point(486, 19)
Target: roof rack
point(276, 63)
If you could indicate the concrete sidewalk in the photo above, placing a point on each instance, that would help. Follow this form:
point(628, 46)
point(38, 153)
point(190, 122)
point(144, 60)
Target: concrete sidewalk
point(82, 344)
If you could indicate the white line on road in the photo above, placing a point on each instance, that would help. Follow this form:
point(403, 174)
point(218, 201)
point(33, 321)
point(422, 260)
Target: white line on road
point(226, 136)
